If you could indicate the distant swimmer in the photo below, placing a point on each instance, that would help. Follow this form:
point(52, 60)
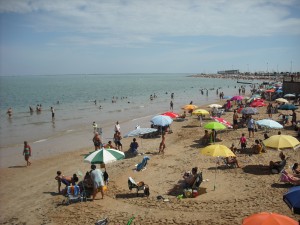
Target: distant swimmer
point(30, 109)
point(9, 112)
point(52, 111)
point(100, 107)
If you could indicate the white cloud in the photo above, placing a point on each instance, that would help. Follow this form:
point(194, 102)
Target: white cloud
point(155, 18)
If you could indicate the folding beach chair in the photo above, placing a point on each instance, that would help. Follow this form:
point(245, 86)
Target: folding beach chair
point(141, 186)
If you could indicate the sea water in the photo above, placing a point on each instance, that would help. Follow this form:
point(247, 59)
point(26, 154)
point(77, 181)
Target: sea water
point(122, 97)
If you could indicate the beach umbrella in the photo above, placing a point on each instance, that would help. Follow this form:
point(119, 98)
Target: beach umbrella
point(289, 96)
point(287, 107)
point(292, 199)
point(200, 112)
point(215, 106)
point(189, 107)
point(222, 120)
point(269, 124)
point(257, 104)
point(249, 111)
point(279, 91)
point(171, 114)
point(266, 218)
point(161, 120)
point(282, 100)
point(104, 156)
point(217, 151)
point(253, 99)
point(237, 97)
point(215, 125)
point(281, 142)
point(140, 131)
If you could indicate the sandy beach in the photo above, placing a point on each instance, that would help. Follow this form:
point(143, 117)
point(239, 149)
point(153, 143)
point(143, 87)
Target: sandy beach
point(29, 194)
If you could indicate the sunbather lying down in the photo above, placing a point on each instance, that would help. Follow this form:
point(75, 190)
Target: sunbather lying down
point(289, 178)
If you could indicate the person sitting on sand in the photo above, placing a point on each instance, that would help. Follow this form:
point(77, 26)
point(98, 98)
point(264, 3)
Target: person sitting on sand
point(232, 160)
point(257, 148)
point(67, 180)
point(292, 178)
point(296, 170)
point(190, 178)
point(134, 146)
point(109, 145)
point(276, 167)
point(206, 138)
point(233, 148)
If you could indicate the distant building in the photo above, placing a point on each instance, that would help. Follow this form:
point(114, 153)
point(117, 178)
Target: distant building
point(229, 72)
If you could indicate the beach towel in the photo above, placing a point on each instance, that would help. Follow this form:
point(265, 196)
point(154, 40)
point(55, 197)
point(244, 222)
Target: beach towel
point(143, 164)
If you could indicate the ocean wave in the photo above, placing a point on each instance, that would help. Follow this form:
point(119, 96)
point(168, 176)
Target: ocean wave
point(42, 140)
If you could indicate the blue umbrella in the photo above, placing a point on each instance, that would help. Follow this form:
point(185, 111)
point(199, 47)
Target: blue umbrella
point(292, 199)
point(287, 107)
point(269, 124)
point(161, 120)
point(249, 111)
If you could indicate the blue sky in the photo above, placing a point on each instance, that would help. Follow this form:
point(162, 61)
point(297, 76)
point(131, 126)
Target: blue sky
point(141, 36)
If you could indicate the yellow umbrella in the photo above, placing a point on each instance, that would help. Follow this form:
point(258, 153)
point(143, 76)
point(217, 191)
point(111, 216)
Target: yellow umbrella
point(217, 151)
point(281, 142)
point(281, 100)
point(200, 112)
point(189, 107)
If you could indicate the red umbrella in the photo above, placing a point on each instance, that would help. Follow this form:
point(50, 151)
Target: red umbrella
point(257, 104)
point(265, 218)
point(223, 121)
point(258, 100)
point(171, 114)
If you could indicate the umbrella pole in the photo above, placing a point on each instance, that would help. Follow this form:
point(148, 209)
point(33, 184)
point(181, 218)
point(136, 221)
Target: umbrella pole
point(216, 175)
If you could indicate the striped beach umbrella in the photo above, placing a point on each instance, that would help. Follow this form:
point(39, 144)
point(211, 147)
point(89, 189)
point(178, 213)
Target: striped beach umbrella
point(104, 156)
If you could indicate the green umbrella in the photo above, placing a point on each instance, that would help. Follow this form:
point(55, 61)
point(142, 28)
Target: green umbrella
point(104, 156)
point(215, 125)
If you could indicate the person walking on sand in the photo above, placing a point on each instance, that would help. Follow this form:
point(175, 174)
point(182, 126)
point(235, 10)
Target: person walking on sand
point(27, 153)
point(98, 181)
point(251, 126)
point(162, 144)
point(235, 120)
point(117, 127)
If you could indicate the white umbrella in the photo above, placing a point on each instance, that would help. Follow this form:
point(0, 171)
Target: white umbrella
point(215, 106)
point(281, 100)
point(269, 124)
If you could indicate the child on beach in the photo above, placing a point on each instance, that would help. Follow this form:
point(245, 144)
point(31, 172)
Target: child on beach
point(27, 152)
point(243, 142)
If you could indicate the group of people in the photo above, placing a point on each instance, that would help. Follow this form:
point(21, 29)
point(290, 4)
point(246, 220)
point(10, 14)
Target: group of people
point(95, 179)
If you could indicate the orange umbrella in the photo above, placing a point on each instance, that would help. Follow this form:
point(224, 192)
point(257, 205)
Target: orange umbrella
point(189, 107)
point(266, 218)
point(270, 90)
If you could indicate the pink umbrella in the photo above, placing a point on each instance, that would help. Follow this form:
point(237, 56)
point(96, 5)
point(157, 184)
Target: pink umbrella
point(223, 121)
point(171, 114)
point(237, 97)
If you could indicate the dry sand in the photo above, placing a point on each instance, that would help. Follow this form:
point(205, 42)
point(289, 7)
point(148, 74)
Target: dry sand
point(29, 195)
